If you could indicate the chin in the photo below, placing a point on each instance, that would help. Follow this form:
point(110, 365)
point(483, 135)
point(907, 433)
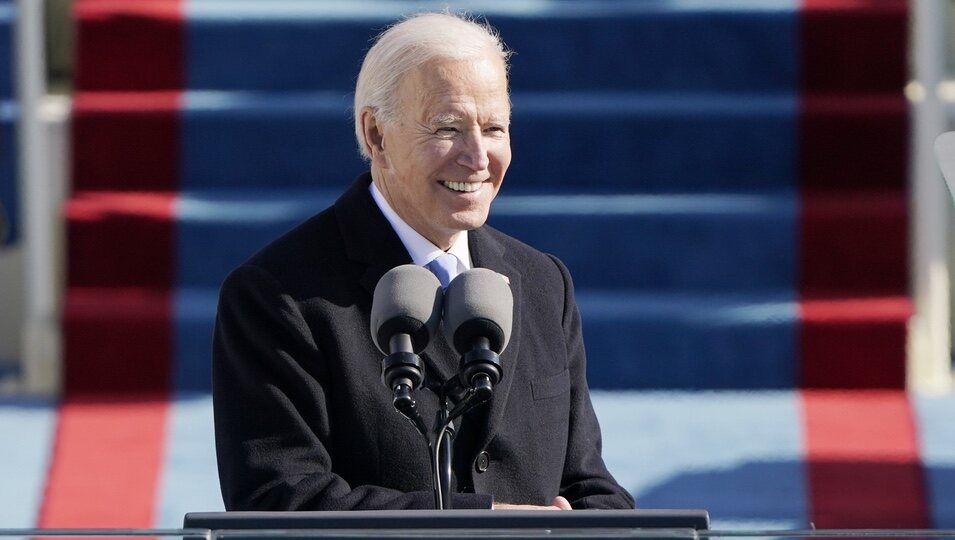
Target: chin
point(470, 221)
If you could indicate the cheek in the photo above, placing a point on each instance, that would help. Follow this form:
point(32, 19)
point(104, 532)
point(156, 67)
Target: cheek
point(500, 158)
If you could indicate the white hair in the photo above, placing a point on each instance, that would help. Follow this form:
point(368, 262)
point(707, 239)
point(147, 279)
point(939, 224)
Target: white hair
point(409, 44)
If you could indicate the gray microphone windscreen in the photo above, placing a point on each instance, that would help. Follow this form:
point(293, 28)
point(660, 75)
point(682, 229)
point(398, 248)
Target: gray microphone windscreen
point(478, 303)
point(407, 300)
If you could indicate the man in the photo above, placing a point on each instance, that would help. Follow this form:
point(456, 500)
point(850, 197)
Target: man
point(302, 419)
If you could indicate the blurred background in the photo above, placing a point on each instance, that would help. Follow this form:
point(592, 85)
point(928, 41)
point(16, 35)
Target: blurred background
point(774, 344)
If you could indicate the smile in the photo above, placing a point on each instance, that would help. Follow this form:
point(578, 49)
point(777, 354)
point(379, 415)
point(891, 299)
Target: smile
point(464, 187)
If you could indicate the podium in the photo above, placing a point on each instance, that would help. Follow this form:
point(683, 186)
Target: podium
point(452, 524)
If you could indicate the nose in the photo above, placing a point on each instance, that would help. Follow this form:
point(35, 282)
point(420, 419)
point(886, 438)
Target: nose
point(474, 153)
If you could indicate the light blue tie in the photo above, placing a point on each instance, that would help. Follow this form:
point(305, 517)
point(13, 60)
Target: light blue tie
point(445, 267)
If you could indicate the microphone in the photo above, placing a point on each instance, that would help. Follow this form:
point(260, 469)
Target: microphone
point(478, 313)
point(405, 313)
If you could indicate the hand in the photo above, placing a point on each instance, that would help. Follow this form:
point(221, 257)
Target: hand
point(559, 503)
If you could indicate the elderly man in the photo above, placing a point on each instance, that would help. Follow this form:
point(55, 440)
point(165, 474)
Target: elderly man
point(302, 419)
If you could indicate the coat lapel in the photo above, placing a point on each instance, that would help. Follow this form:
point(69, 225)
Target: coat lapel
point(487, 252)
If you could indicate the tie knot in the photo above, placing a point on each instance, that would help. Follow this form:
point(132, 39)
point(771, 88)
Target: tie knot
point(445, 267)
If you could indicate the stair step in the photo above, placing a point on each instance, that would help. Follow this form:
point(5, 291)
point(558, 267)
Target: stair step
point(721, 341)
point(661, 242)
point(849, 46)
point(566, 141)
point(7, 21)
point(9, 198)
point(854, 141)
point(560, 141)
point(117, 340)
point(319, 45)
point(120, 239)
point(709, 242)
point(640, 340)
point(635, 340)
point(853, 241)
point(755, 45)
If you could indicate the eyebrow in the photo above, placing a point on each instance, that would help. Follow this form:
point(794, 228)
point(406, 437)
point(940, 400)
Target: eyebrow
point(446, 119)
point(449, 119)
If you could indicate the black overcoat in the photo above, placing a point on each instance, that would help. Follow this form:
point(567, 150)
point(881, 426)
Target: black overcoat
point(303, 421)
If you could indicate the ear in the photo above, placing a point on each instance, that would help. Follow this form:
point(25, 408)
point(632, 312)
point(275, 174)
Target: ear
point(373, 137)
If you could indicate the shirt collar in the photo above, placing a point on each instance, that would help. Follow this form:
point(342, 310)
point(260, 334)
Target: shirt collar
point(421, 249)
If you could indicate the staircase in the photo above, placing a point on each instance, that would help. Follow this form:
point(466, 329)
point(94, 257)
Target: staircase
point(744, 162)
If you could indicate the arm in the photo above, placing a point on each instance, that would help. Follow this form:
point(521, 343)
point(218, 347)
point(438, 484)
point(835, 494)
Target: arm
point(586, 483)
point(271, 410)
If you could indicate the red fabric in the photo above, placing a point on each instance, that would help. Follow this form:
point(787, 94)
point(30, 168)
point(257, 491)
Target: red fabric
point(117, 340)
point(129, 44)
point(121, 240)
point(853, 242)
point(126, 141)
point(106, 463)
point(847, 342)
point(854, 140)
point(853, 45)
point(863, 461)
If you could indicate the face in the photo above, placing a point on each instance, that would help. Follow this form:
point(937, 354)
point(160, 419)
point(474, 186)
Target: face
point(443, 162)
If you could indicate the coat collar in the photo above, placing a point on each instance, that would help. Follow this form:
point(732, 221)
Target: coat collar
point(369, 238)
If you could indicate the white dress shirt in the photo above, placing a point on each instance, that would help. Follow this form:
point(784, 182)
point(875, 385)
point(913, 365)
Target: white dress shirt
point(421, 249)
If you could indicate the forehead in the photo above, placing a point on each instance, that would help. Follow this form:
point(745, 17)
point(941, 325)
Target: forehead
point(476, 86)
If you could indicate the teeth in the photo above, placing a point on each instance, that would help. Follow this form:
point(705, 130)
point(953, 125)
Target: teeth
point(466, 187)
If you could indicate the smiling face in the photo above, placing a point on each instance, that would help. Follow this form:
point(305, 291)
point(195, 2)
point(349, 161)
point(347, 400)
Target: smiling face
point(442, 163)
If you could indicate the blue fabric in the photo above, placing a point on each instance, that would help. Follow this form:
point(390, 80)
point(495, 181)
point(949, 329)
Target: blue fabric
point(661, 131)
point(9, 193)
point(217, 230)
point(582, 45)
point(662, 243)
point(605, 142)
point(194, 309)
point(7, 21)
point(8, 144)
point(701, 295)
point(689, 341)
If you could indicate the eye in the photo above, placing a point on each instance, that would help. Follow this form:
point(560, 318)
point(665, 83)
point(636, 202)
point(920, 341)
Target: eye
point(447, 130)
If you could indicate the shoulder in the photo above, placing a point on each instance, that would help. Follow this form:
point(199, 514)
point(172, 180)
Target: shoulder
point(302, 263)
point(530, 260)
point(319, 243)
point(298, 246)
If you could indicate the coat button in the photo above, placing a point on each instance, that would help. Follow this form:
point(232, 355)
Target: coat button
point(482, 461)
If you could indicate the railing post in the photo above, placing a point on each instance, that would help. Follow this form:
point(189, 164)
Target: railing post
point(929, 358)
point(40, 347)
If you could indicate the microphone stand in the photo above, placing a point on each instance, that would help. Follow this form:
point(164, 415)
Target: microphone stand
point(440, 439)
